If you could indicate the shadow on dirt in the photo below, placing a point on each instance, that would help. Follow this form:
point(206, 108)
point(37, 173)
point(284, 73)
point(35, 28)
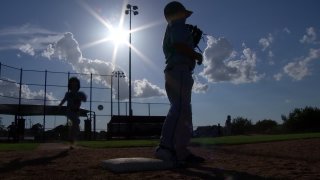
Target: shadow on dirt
point(17, 164)
point(214, 173)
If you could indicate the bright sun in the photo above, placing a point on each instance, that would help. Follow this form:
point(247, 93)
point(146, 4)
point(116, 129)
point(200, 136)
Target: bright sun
point(118, 35)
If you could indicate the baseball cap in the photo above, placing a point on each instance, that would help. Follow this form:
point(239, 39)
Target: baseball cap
point(175, 7)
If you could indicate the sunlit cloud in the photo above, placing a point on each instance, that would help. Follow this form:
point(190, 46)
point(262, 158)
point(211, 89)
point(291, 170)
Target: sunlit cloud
point(26, 29)
point(266, 42)
point(10, 93)
point(199, 87)
point(67, 49)
point(310, 36)
point(28, 39)
point(300, 69)
point(27, 48)
point(278, 76)
point(144, 89)
point(286, 30)
point(221, 63)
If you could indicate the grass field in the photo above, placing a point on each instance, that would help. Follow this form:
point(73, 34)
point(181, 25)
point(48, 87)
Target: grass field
point(119, 143)
point(18, 146)
point(246, 139)
point(225, 140)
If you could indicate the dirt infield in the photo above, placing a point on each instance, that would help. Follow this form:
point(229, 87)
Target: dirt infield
point(298, 159)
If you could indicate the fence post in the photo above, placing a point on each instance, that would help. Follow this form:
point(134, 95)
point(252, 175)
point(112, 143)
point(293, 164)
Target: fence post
point(67, 91)
point(111, 97)
point(20, 86)
point(19, 106)
point(118, 74)
point(90, 94)
point(94, 132)
point(94, 126)
point(126, 109)
point(44, 105)
point(149, 108)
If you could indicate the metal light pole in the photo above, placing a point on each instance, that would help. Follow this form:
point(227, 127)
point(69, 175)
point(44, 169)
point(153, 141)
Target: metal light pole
point(130, 9)
point(118, 74)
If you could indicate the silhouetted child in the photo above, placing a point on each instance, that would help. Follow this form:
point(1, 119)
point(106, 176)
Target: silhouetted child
point(73, 98)
point(178, 48)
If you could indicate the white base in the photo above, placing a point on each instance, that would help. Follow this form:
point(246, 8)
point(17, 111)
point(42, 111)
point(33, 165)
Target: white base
point(136, 164)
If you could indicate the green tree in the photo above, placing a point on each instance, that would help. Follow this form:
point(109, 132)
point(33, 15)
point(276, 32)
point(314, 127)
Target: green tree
point(241, 125)
point(303, 120)
point(265, 126)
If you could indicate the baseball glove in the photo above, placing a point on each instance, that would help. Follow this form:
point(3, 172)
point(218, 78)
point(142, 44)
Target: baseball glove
point(196, 34)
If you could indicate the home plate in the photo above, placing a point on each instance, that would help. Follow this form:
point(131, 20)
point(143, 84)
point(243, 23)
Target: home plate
point(134, 164)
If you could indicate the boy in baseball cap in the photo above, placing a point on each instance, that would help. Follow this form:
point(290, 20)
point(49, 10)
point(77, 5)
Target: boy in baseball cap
point(180, 56)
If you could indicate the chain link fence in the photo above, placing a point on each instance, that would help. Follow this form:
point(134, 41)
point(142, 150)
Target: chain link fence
point(43, 87)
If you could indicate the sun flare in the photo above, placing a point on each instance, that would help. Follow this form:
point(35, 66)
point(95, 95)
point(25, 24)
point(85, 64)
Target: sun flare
point(118, 35)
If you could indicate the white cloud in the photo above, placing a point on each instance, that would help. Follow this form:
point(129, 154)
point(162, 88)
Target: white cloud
point(48, 52)
point(28, 38)
point(219, 66)
point(310, 36)
point(41, 42)
point(286, 30)
point(26, 48)
point(299, 69)
point(266, 42)
point(199, 87)
point(35, 41)
point(25, 29)
point(10, 88)
point(270, 54)
point(144, 89)
point(287, 101)
point(278, 76)
point(67, 49)
point(270, 59)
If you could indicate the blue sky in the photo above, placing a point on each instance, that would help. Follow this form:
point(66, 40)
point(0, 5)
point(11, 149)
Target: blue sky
point(261, 57)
